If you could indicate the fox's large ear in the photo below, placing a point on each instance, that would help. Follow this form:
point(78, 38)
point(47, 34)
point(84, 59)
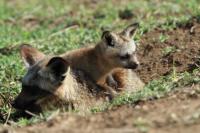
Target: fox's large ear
point(130, 30)
point(30, 55)
point(58, 67)
point(109, 38)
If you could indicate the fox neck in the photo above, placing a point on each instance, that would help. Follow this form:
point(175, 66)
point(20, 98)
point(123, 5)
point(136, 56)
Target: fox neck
point(103, 67)
point(90, 60)
point(67, 91)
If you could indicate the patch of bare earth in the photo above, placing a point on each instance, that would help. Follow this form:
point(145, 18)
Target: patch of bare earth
point(178, 112)
point(179, 51)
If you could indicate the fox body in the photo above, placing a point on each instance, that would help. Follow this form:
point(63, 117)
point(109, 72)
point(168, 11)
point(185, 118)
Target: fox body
point(75, 79)
point(100, 62)
point(50, 82)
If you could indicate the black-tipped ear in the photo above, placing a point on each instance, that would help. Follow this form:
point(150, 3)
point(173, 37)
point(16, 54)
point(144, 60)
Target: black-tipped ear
point(109, 38)
point(130, 30)
point(30, 55)
point(58, 66)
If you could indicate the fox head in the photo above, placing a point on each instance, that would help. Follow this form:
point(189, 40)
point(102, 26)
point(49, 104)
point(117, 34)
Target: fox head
point(119, 49)
point(44, 75)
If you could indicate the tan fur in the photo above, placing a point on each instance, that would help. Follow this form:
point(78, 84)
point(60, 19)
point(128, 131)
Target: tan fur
point(119, 75)
point(73, 79)
point(72, 95)
point(88, 60)
point(100, 60)
point(42, 90)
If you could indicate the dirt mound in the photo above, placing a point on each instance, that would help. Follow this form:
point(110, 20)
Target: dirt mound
point(178, 112)
point(163, 51)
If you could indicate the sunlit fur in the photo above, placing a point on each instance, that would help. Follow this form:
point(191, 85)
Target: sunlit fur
point(101, 60)
point(84, 78)
point(76, 91)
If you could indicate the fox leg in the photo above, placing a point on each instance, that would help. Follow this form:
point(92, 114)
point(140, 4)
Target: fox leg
point(109, 91)
point(111, 81)
point(115, 81)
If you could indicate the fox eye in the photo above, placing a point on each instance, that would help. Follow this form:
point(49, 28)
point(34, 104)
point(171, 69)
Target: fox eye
point(125, 57)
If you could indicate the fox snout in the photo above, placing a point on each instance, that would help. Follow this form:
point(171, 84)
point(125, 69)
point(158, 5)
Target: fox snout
point(131, 61)
point(24, 100)
point(132, 65)
point(15, 104)
point(21, 104)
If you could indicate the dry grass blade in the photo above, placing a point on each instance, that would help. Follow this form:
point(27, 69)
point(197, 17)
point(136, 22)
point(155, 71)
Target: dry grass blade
point(31, 113)
point(8, 116)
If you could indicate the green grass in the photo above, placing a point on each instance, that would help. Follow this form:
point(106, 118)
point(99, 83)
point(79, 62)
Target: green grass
point(168, 50)
point(163, 38)
point(154, 89)
point(46, 25)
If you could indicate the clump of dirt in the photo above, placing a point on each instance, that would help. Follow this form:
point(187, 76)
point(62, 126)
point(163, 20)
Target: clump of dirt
point(163, 51)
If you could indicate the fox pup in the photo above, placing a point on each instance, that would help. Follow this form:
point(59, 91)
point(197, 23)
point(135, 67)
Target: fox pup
point(50, 83)
point(102, 61)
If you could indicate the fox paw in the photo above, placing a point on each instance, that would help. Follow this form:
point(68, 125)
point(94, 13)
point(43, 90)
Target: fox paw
point(112, 82)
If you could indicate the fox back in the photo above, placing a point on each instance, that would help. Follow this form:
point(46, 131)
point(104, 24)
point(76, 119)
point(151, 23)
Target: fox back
point(50, 83)
point(114, 50)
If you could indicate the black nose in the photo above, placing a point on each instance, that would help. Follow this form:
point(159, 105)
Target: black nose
point(17, 104)
point(132, 66)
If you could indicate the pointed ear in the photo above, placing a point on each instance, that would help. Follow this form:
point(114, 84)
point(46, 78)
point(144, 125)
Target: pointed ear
point(109, 38)
point(130, 30)
point(30, 55)
point(58, 67)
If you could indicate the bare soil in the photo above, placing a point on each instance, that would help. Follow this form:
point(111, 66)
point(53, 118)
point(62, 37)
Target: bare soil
point(180, 51)
point(178, 112)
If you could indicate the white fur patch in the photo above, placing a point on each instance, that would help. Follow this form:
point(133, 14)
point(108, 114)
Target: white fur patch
point(129, 48)
point(69, 86)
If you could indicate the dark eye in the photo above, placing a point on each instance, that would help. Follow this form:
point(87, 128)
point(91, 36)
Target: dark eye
point(125, 57)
